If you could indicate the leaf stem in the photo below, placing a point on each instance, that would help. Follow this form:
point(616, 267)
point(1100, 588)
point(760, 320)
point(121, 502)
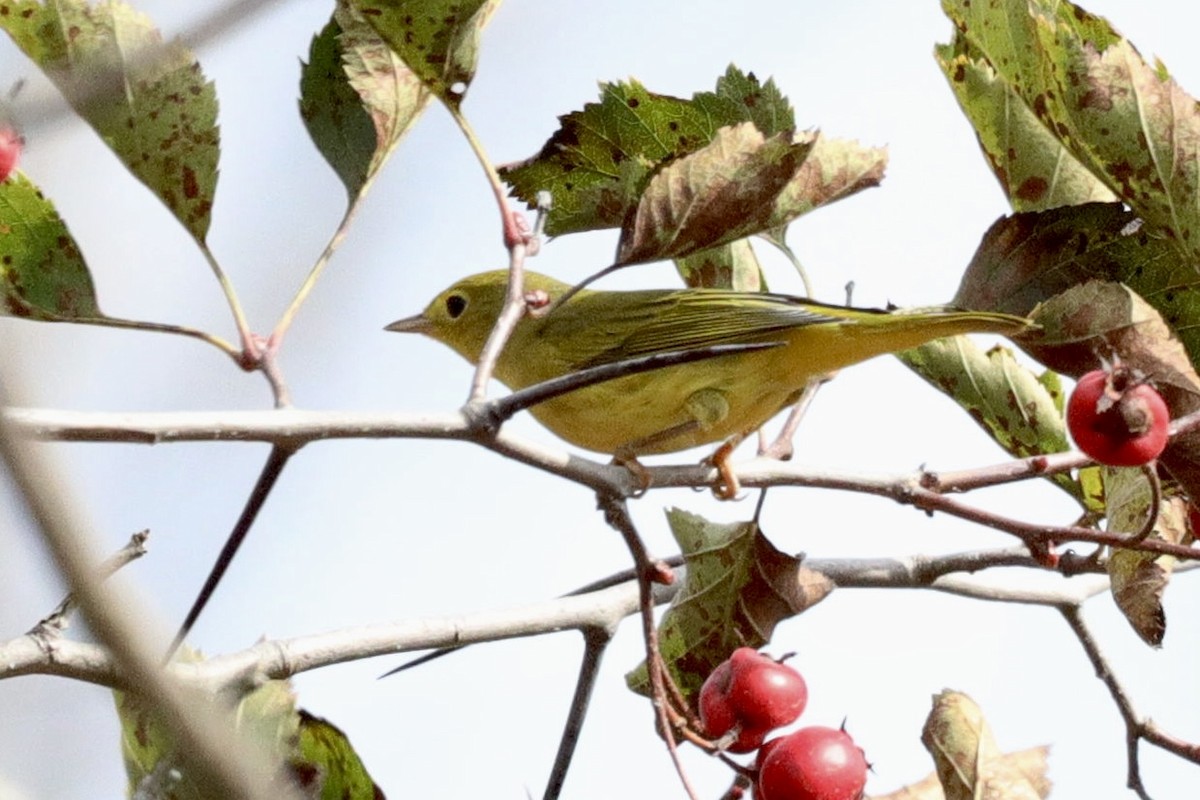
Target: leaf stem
point(249, 346)
point(218, 342)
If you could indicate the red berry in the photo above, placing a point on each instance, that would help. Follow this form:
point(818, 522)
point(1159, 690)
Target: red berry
point(11, 144)
point(763, 752)
point(1118, 419)
point(754, 694)
point(813, 764)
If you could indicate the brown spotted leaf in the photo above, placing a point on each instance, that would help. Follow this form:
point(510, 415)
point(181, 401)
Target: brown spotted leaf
point(357, 98)
point(148, 99)
point(737, 588)
point(597, 163)
point(1027, 258)
point(437, 39)
point(1126, 122)
point(42, 273)
point(1035, 170)
point(720, 193)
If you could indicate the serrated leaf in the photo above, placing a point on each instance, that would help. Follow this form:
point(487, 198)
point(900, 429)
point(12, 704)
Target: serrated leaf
point(327, 766)
point(1137, 579)
point(833, 170)
point(148, 100)
point(1020, 410)
point(729, 266)
point(42, 273)
point(599, 160)
point(738, 587)
point(717, 194)
point(437, 39)
point(357, 98)
point(1035, 170)
point(1026, 258)
point(333, 114)
point(968, 762)
point(1127, 122)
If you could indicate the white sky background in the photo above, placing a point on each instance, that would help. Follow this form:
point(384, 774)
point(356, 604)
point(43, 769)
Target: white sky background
point(360, 532)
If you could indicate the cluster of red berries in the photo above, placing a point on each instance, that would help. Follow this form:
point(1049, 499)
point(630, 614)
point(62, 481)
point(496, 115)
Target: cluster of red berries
point(749, 695)
point(1117, 418)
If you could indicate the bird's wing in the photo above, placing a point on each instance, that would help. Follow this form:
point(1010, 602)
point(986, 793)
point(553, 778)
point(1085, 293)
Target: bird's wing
point(605, 327)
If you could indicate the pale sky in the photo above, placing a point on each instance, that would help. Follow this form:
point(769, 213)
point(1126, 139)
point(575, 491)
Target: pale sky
point(360, 532)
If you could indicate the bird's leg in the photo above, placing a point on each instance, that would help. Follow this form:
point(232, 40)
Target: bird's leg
point(782, 448)
point(705, 408)
point(728, 486)
point(626, 454)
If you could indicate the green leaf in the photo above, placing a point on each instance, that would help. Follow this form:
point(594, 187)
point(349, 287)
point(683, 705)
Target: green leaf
point(333, 114)
point(597, 163)
point(327, 766)
point(1035, 170)
point(1127, 122)
point(147, 99)
point(42, 272)
point(728, 266)
point(1021, 411)
point(437, 39)
point(357, 98)
point(268, 715)
point(738, 587)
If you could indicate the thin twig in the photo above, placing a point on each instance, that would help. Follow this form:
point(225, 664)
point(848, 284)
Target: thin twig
point(270, 473)
point(56, 621)
point(1133, 725)
point(296, 428)
point(607, 582)
point(616, 514)
point(284, 658)
point(596, 641)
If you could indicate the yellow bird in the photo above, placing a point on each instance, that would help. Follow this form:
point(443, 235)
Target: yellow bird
point(724, 398)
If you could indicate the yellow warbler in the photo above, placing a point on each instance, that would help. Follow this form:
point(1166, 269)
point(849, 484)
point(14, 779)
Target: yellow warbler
point(677, 407)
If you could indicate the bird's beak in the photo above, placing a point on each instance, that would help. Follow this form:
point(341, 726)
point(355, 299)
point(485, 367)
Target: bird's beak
point(417, 324)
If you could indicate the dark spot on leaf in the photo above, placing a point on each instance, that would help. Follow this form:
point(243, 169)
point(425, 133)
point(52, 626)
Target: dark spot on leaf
point(672, 126)
point(306, 774)
point(960, 73)
point(1032, 189)
point(191, 187)
point(633, 102)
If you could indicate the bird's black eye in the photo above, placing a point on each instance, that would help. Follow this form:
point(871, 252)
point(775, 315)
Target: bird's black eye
point(455, 305)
